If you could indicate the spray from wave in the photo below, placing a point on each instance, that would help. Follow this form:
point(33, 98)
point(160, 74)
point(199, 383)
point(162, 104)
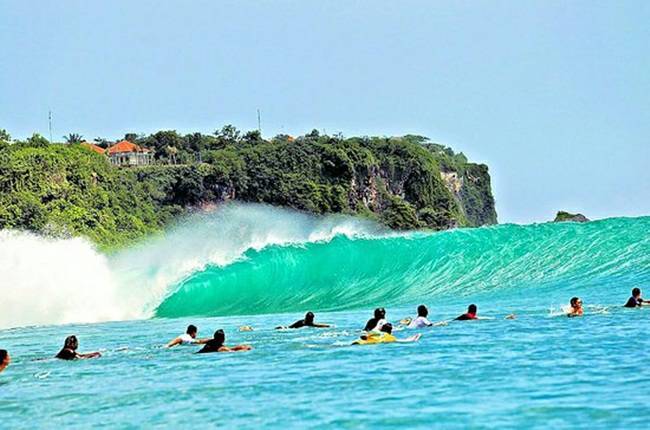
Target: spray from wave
point(58, 281)
point(46, 281)
point(251, 259)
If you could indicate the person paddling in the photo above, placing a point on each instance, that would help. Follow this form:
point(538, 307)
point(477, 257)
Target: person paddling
point(216, 344)
point(636, 300)
point(5, 359)
point(421, 320)
point(377, 322)
point(575, 308)
point(188, 338)
point(470, 314)
point(69, 350)
point(308, 321)
point(384, 335)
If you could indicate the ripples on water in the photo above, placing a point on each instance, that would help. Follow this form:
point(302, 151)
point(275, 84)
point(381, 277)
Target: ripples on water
point(535, 371)
point(540, 370)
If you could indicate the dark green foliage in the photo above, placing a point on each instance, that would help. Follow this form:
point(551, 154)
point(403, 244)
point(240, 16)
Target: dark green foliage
point(70, 190)
point(475, 194)
point(399, 214)
point(67, 189)
point(73, 138)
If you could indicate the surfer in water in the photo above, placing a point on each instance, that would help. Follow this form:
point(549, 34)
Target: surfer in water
point(69, 350)
point(422, 320)
point(188, 338)
point(4, 359)
point(575, 309)
point(308, 321)
point(216, 344)
point(636, 300)
point(384, 335)
point(377, 322)
point(470, 314)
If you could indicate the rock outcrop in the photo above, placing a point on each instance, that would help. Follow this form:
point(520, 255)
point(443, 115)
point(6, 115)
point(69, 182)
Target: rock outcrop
point(563, 216)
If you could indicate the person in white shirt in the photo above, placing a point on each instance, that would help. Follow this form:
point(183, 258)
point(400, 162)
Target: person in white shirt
point(188, 338)
point(421, 320)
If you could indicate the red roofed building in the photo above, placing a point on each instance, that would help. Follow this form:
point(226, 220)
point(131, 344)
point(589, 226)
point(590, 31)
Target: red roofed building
point(125, 153)
point(93, 147)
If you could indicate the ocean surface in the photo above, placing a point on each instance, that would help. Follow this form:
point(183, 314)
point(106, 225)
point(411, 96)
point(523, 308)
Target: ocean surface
point(263, 267)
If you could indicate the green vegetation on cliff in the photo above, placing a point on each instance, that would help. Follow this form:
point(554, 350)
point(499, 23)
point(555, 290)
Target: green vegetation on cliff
point(403, 182)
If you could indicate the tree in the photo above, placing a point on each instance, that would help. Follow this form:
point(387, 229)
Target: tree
point(314, 134)
point(73, 138)
point(253, 136)
point(159, 141)
point(37, 141)
point(131, 137)
point(100, 141)
point(4, 136)
point(227, 136)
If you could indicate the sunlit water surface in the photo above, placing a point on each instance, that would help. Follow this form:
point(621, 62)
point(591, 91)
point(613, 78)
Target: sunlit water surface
point(536, 371)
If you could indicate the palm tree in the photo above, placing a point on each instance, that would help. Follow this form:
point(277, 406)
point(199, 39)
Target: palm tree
point(73, 138)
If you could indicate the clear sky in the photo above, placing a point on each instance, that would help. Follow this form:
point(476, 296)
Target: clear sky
point(553, 95)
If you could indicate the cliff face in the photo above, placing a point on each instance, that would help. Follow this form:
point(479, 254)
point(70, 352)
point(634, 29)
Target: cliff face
point(403, 182)
point(469, 183)
point(472, 189)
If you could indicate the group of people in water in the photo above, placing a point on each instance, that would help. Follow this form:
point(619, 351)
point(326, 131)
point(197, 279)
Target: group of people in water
point(377, 330)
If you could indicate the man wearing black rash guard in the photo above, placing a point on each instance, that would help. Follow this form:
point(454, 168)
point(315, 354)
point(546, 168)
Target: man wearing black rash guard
point(377, 322)
point(308, 321)
point(216, 344)
point(635, 300)
point(69, 350)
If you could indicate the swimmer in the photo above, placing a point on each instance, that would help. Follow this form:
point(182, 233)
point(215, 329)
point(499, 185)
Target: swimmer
point(576, 308)
point(69, 350)
point(216, 345)
point(385, 335)
point(246, 328)
point(188, 338)
point(421, 320)
point(377, 322)
point(308, 321)
point(469, 315)
point(635, 300)
point(4, 359)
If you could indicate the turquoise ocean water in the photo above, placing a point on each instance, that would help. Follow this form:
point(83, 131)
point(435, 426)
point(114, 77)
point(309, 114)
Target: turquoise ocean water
point(539, 370)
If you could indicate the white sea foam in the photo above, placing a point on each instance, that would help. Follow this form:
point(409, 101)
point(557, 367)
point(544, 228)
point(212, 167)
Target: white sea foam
point(58, 281)
point(45, 281)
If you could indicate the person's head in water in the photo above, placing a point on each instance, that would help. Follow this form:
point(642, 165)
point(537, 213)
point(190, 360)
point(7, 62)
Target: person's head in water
point(309, 318)
point(387, 328)
point(219, 337)
point(4, 359)
point(423, 311)
point(380, 313)
point(472, 309)
point(636, 293)
point(71, 343)
point(192, 330)
point(576, 303)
